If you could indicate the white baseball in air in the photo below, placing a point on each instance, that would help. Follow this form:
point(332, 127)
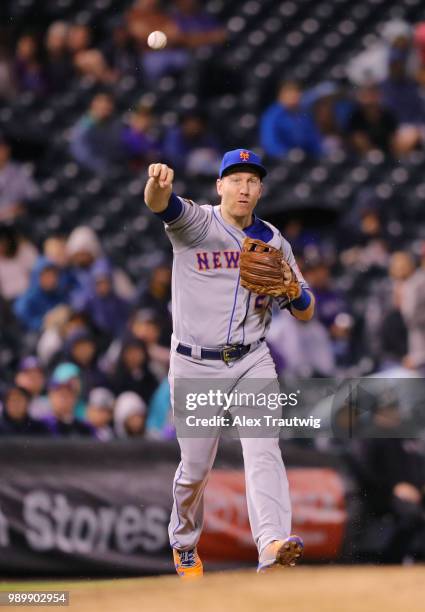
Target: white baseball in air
point(157, 40)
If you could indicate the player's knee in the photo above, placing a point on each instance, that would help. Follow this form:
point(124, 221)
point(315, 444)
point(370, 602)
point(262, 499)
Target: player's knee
point(195, 472)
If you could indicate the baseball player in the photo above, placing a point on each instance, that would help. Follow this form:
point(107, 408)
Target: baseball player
point(228, 267)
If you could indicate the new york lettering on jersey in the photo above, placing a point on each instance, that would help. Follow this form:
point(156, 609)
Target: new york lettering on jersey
point(217, 259)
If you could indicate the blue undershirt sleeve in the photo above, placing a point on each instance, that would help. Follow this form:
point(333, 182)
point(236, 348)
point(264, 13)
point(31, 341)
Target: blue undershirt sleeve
point(173, 210)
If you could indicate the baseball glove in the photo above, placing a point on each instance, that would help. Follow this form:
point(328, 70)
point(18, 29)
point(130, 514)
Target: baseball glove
point(264, 271)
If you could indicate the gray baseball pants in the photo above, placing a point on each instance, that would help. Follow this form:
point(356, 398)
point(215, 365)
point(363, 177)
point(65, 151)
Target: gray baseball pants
point(267, 490)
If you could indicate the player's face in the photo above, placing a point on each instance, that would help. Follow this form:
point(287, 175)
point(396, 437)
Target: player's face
point(240, 192)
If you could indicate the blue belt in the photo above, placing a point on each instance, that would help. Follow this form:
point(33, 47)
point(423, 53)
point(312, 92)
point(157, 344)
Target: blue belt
point(231, 352)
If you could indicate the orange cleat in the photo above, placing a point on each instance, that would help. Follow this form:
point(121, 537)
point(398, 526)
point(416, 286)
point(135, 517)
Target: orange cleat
point(281, 552)
point(188, 564)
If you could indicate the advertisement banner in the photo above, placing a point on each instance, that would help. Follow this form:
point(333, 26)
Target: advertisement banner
point(84, 508)
point(318, 507)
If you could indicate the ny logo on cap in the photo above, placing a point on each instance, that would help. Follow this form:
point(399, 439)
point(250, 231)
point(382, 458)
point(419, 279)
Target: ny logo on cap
point(244, 155)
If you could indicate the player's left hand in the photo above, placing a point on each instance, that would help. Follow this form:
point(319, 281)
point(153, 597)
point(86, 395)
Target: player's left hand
point(264, 271)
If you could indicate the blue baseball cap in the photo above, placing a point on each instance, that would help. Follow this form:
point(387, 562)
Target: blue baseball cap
point(239, 160)
point(64, 372)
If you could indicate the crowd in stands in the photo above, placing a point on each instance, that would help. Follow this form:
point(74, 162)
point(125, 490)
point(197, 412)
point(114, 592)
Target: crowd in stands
point(384, 110)
point(75, 51)
point(379, 107)
point(102, 343)
point(101, 338)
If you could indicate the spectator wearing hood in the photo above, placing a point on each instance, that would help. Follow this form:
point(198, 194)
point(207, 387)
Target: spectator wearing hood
point(44, 293)
point(81, 350)
point(129, 415)
point(15, 419)
point(84, 250)
point(31, 377)
point(133, 372)
point(106, 310)
point(100, 412)
point(62, 422)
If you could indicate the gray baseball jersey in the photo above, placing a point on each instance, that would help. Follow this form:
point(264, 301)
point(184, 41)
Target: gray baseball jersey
point(210, 307)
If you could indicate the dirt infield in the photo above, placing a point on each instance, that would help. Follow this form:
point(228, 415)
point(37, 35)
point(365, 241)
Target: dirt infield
point(303, 589)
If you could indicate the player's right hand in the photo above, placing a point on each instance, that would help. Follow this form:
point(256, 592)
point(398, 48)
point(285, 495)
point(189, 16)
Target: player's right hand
point(159, 186)
point(162, 175)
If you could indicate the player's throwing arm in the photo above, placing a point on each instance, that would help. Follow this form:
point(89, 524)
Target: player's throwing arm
point(159, 187)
